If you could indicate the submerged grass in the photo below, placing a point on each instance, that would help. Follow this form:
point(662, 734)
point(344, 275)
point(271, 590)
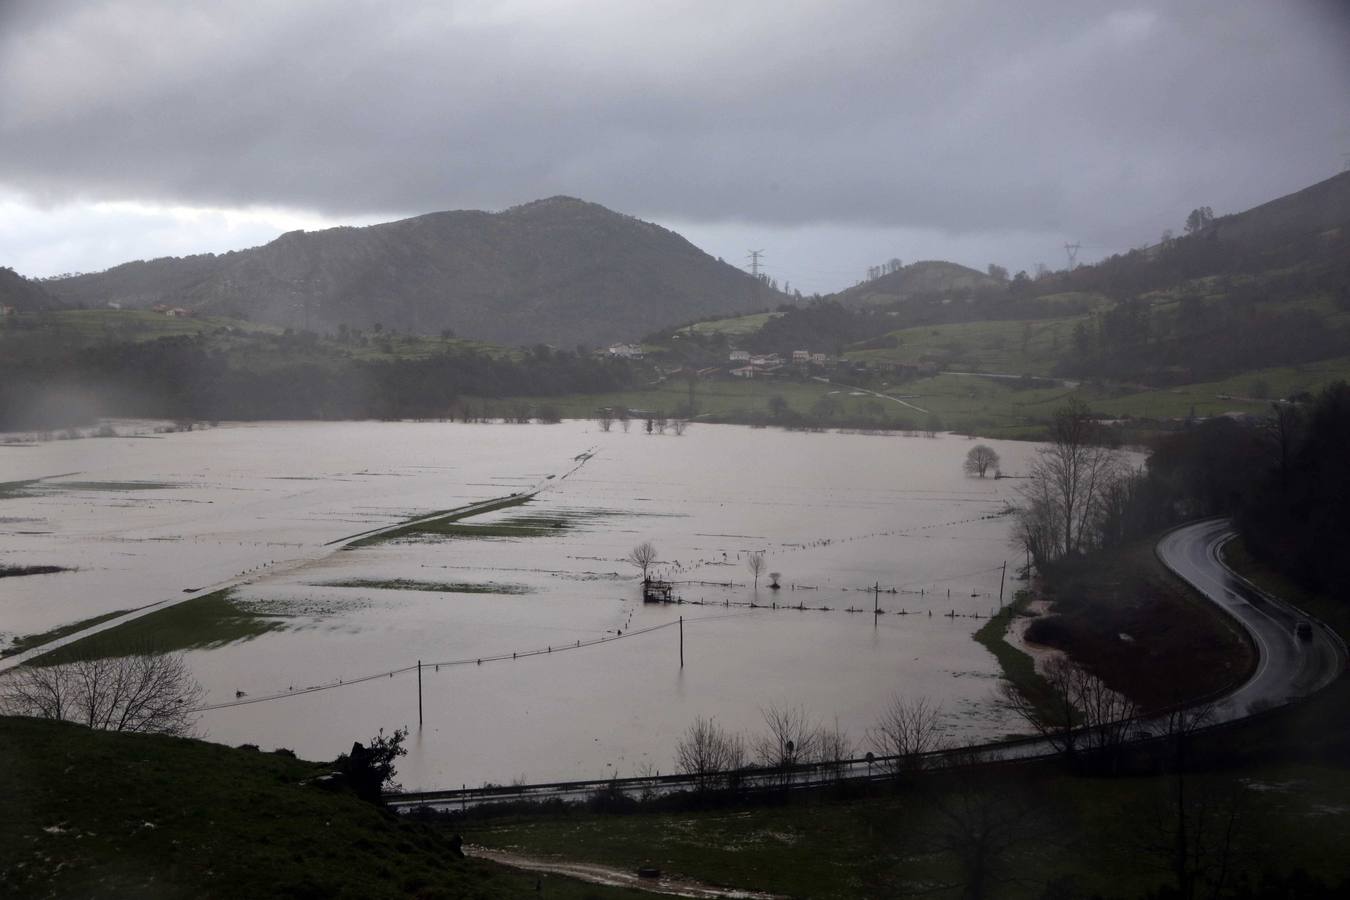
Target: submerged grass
point(212, 620)
point(444, 587)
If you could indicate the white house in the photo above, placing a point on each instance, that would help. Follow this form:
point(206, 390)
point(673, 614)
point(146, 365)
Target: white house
point(626, 351)
point(740, 356)
point(801, 356)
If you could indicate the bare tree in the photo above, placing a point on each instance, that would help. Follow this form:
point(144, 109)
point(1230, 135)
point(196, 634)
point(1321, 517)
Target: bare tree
point(1069, 478)
point(642, 556)
point(708, 752)
point(1054, 715)
point(144, 692)
point(679, 425)
point(755, 563)
point(792, 738)
point(605, 419)
point(833, 746)
point(906, 730)
point(980, 460)
point(1076, 712)
point(625, 421)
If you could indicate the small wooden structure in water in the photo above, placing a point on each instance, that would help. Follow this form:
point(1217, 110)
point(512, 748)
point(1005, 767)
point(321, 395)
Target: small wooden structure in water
point(654, 591)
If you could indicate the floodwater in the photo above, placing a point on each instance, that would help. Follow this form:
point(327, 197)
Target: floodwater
point(146, 518)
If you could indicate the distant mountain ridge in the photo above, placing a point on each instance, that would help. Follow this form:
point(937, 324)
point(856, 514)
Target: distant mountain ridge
point(23, 294)
point(560, 271)
point(926, 277)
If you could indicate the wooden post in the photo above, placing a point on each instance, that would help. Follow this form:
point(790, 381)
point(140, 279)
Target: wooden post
point(876, 601)
point(681, 642)
point(419, 693)
point(1000, 583)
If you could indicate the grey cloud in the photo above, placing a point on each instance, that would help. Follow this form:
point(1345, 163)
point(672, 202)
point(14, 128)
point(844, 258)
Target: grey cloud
point(1096, 118)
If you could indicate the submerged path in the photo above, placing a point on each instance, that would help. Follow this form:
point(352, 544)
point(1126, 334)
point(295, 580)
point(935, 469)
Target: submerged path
point(1288, 668)
point(324, 550)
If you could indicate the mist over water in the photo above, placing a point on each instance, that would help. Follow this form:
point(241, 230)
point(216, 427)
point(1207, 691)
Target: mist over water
point(146, 518)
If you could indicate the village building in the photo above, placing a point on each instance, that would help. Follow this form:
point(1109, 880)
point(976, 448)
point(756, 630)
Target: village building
point(626, 351)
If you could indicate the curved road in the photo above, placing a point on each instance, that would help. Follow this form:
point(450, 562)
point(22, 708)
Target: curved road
point(1288, 667)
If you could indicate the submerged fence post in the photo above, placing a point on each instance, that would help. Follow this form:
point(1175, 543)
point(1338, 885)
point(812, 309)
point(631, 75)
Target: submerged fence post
point(1000, 583)
point(681, 642)
point(419, 693)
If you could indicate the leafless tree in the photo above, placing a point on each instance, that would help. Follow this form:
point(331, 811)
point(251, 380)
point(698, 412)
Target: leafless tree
point(709, 752)
point(755, 563)
point(792, 738)
point(625, 421)
point(143, 692)
point(1055, 715)
point(1076, 712)
point(1063, 495)
point(642, 556)
point(980, 460)
point(833, 746)
point(605, 419)
point(679, 425)
point(906, 730)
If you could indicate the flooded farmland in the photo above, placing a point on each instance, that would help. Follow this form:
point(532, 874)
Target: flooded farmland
point(595, 687)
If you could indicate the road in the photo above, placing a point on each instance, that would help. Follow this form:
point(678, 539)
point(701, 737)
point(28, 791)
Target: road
point(1287, 669)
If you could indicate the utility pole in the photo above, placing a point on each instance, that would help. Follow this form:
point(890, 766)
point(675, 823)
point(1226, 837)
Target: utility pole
point(754, 262)
point(419, 693)
point(681, 642)
point(1000, 583)
point(1072, 251)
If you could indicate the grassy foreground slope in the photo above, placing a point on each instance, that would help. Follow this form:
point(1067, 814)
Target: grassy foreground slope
point(96, 814)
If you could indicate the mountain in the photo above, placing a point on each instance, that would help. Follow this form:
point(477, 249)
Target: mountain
point(1320, 209)
point(560, 271)
point(926, 278)
point(24, 295)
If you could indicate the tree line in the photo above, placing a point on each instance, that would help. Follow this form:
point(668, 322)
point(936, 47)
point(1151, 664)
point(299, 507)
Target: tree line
point(184, 377)
point(1282, 478)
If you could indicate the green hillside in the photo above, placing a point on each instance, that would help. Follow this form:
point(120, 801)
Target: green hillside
point(96, 814)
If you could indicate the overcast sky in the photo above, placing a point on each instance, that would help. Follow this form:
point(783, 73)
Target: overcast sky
point(832, 135)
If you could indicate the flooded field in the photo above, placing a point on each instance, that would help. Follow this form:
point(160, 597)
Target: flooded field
point(595, 687)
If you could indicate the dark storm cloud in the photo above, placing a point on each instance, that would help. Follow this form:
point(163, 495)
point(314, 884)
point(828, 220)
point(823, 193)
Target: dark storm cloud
point(1094, 118)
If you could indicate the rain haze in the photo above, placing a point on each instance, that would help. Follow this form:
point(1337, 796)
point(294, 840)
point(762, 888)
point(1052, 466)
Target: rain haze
point(615, 448)
point(832, 135)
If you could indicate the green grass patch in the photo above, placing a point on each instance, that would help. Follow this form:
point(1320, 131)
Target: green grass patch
point(1087, 836)
point(29, 641)
point(18, 571)
point(212, 620)
point(96, 814)
point(1018, 668)
point(1026, 347)
point(441, 523)
point(444, 587)
point(736, 325)
point(110, 486)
